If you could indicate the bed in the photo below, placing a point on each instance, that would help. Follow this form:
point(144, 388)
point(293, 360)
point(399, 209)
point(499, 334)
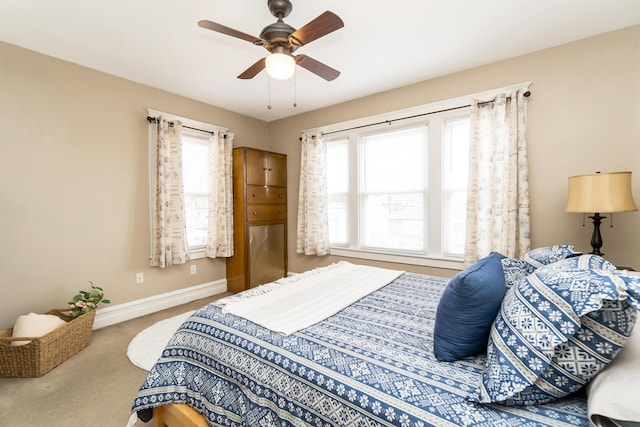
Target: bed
point(370, 364)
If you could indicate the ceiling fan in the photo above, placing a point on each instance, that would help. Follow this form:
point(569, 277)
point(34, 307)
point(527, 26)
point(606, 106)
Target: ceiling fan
point(281, 40)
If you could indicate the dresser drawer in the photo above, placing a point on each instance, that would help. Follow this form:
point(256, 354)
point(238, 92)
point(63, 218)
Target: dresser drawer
point(266, 212)
point(264, 194)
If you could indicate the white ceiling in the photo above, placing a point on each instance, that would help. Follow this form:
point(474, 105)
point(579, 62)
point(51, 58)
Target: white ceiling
point(384, 44)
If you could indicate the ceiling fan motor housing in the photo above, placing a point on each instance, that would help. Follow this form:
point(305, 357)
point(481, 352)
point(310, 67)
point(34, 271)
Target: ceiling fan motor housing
point(279, 8)
point(277, 34)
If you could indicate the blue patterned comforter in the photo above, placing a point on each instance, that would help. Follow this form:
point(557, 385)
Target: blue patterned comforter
point(372, 364)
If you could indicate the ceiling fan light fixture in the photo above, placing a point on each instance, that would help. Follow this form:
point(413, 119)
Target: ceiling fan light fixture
point(280, 66)
point(281, 40)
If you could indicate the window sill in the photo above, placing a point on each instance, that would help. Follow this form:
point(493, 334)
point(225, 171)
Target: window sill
point(196, 253)
point(448, 263)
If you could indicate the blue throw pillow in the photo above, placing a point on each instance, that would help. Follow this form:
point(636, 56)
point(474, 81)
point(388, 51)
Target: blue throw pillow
point(555, 331)
point(467, 308)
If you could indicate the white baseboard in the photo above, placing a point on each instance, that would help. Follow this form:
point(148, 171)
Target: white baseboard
point(119, 313)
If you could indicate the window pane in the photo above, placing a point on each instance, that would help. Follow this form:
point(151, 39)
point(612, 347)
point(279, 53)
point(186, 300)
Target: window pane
point(338, 166)
point(197, 218)
point(393, 179)
point(338, 191)
point(456, 147)
point(454, 189)
point(195, 171)
point(338, 225)
point(393, 221)
point(394, 161)
point(195, 165)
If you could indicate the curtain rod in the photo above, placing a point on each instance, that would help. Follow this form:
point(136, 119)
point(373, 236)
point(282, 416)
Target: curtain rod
point(155, 120)
point(526, 95)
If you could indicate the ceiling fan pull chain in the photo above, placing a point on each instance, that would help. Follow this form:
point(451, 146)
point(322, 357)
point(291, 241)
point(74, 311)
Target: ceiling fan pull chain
point(295, 90)
point(269, 80)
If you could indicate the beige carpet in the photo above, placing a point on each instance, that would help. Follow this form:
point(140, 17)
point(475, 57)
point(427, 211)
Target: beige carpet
point(94, 388)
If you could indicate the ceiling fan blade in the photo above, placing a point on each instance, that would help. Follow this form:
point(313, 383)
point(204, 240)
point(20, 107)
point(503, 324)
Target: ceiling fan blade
point(317, 67)
point(324, 24)
point(219, 28)
point(252, 71)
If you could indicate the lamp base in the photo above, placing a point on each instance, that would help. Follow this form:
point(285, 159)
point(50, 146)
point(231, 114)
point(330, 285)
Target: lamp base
point(596, 238)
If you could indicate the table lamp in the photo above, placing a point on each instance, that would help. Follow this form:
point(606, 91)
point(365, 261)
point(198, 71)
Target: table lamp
point(600, 192)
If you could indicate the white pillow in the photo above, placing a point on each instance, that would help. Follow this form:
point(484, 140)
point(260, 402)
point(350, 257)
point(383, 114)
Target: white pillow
point(35, 325)
point(614, 394)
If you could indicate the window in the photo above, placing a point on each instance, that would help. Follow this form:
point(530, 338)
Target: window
point(392, 190)
point(454, 185)
point(195, 174)
point(397, 192)
point(338, 185)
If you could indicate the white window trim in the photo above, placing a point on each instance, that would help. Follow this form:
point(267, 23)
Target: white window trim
point(398, 116)
point(398, 259)
point(197, 252)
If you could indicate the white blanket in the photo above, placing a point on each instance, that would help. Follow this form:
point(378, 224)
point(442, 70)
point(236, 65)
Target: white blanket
point(307, 299)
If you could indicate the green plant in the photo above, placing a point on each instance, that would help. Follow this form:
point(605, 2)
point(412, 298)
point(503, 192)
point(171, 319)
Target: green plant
point(85, 301)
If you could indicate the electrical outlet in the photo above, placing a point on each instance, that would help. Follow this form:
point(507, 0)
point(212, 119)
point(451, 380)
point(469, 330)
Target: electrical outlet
point(139, 278)
point(193, 269)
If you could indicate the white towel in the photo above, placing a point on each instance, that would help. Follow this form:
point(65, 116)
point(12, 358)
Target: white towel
point(312, 298)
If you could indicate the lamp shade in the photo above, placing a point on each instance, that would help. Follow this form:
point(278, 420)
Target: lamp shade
point(280, 66)
point(601, 192)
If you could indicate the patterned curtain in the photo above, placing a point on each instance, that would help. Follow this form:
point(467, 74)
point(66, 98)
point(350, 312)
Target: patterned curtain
point(169, 236)
point(220, 228)
point(498, 195)
point(313, 211)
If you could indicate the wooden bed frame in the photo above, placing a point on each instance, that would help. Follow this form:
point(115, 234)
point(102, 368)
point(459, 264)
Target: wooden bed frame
point(178, 415)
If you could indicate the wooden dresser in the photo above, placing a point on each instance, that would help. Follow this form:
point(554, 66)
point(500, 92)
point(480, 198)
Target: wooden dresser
point(259, 219)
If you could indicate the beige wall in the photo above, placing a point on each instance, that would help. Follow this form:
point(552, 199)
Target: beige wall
point(584, 116)
point(74, 193)
point(73, 162)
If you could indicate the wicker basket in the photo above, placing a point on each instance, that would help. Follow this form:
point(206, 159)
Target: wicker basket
point(44, 353)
